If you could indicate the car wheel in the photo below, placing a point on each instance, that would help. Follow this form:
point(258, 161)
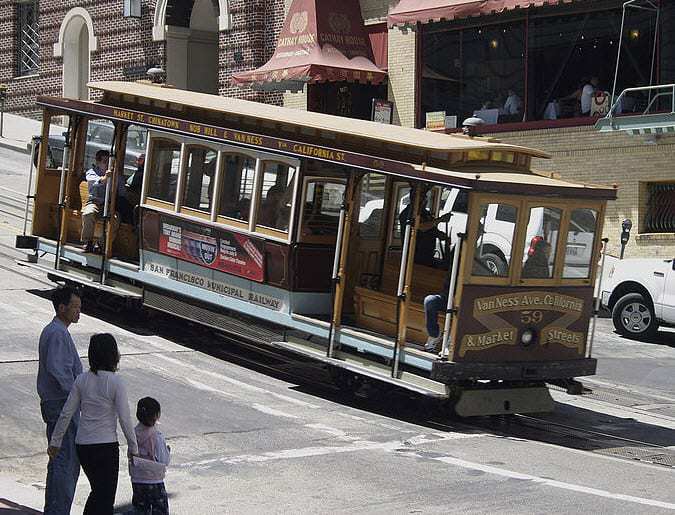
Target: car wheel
point(633, 316)
point(495, 264)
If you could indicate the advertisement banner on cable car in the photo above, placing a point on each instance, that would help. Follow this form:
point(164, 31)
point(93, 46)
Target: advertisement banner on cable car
point(218, 249)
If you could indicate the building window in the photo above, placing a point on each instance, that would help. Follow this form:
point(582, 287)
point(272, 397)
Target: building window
point(28, 38)
point(557, 64)
point(660, 212)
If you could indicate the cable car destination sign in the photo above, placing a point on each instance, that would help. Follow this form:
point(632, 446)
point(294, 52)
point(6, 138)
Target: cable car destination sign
point(226, 135)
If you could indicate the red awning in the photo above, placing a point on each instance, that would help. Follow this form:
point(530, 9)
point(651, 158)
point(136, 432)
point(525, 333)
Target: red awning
point(409, 12)
point(320, 42)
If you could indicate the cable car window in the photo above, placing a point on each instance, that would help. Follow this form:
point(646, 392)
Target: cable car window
point(164, 165)
point(579, 247)
point(237, 187)
point(321, 209)
point(276, 196)
point(506, 213)
point(100, 136)
point(543, 229)
point(371, 206)
point(402, 201)
point(199, 175)
point(493, 242)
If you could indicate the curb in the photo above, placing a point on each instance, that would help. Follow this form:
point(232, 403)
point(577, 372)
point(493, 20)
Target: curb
point(15, 146)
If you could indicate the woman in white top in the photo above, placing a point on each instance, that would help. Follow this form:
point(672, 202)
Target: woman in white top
point(101, 397)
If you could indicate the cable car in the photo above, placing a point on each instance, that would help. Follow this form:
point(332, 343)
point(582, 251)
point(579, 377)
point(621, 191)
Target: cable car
point(442, 264)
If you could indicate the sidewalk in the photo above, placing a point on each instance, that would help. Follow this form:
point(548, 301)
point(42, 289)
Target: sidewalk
point(18, 131)
point(20, 499)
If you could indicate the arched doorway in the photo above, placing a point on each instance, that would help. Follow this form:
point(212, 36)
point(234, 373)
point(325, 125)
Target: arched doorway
point(75, 44)
point(190, 30)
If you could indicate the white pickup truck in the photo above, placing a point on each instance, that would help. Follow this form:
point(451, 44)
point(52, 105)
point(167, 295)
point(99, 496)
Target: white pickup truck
point(640, 294)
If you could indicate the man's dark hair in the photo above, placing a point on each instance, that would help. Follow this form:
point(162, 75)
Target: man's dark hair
point(62, 296)
point(148, 411)
point(101, 154)
point(103, 353)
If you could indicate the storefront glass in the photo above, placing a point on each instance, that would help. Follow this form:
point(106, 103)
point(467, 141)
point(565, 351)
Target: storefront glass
point(550, 64)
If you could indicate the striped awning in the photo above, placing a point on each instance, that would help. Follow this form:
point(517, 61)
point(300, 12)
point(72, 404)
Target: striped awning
point(410, 12)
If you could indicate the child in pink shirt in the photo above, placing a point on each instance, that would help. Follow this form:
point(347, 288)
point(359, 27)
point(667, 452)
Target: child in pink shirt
point(147, 471)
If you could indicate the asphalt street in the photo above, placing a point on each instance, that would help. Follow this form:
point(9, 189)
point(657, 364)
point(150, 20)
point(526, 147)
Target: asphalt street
point(254, 433)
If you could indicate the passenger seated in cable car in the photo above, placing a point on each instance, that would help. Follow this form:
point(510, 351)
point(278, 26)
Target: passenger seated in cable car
point(97, 177)
point(427, 233)
point(274, 211)
point(433, 305)
point(536, 266)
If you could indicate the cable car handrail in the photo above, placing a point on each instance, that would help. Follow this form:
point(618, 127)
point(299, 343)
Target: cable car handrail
point(622, 95)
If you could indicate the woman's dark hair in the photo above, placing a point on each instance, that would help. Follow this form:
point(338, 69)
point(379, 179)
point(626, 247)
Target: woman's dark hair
point(148, 411)
point(103, 353)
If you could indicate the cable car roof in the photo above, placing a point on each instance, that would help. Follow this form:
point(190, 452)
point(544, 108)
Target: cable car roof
point(508, 181)
point(385, 133)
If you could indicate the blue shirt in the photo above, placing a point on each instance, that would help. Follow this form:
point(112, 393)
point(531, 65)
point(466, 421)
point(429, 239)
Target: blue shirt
point(97, 188)
point(59, 362)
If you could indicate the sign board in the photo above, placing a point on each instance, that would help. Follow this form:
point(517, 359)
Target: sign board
point(210, 247)
point(435, 120)
point(382, 111)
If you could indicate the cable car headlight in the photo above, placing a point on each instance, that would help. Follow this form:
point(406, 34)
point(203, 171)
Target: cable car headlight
point(527, 337)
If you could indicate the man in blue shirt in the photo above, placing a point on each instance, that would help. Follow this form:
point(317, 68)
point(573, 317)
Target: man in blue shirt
point(97, 179)
point(58, 367)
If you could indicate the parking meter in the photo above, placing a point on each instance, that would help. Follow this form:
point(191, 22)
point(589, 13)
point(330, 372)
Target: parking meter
point(626, 226)
point(3, 97)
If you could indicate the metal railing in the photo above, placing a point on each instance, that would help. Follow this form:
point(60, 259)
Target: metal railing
point(666, 90)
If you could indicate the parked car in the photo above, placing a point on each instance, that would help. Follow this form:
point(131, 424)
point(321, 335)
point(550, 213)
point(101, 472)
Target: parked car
point(99, 137)
point(640, 295)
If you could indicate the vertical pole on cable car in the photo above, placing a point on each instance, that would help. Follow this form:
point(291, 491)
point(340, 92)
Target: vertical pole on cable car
point(62, 189)
point(403, 291)
point(109, 204)
point(598, 296)
point(338, 278)
point(35, 143)
point(450, 308)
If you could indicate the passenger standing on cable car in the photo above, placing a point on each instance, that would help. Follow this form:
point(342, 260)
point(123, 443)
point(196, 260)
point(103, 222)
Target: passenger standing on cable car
point(97, 178)
point(427, 234)
point(58, 366)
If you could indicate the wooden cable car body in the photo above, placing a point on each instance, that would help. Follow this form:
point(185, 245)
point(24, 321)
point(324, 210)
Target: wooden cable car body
point(285, 227)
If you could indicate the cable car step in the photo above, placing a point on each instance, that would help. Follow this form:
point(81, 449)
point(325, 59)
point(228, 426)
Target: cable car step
point(504, 401)
point(365, 367)
point(82, 278)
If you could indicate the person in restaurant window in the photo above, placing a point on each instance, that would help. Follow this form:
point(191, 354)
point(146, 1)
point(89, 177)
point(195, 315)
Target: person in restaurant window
point(513, 104)
point(584, 95)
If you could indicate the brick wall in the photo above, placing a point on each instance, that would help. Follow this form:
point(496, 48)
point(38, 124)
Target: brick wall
point(402, 58)
point(123, 43)
point(583, 154)
point(126, 49)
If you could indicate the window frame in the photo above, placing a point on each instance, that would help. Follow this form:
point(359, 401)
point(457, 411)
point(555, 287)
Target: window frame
point(19, 69)
point(200, 213)
point(258, 186)
point(213, 218)
point(524, 205)
point(315, 239)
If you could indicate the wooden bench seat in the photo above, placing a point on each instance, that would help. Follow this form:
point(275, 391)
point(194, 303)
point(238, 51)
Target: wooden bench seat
point(376, 310)
point(125, 244)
